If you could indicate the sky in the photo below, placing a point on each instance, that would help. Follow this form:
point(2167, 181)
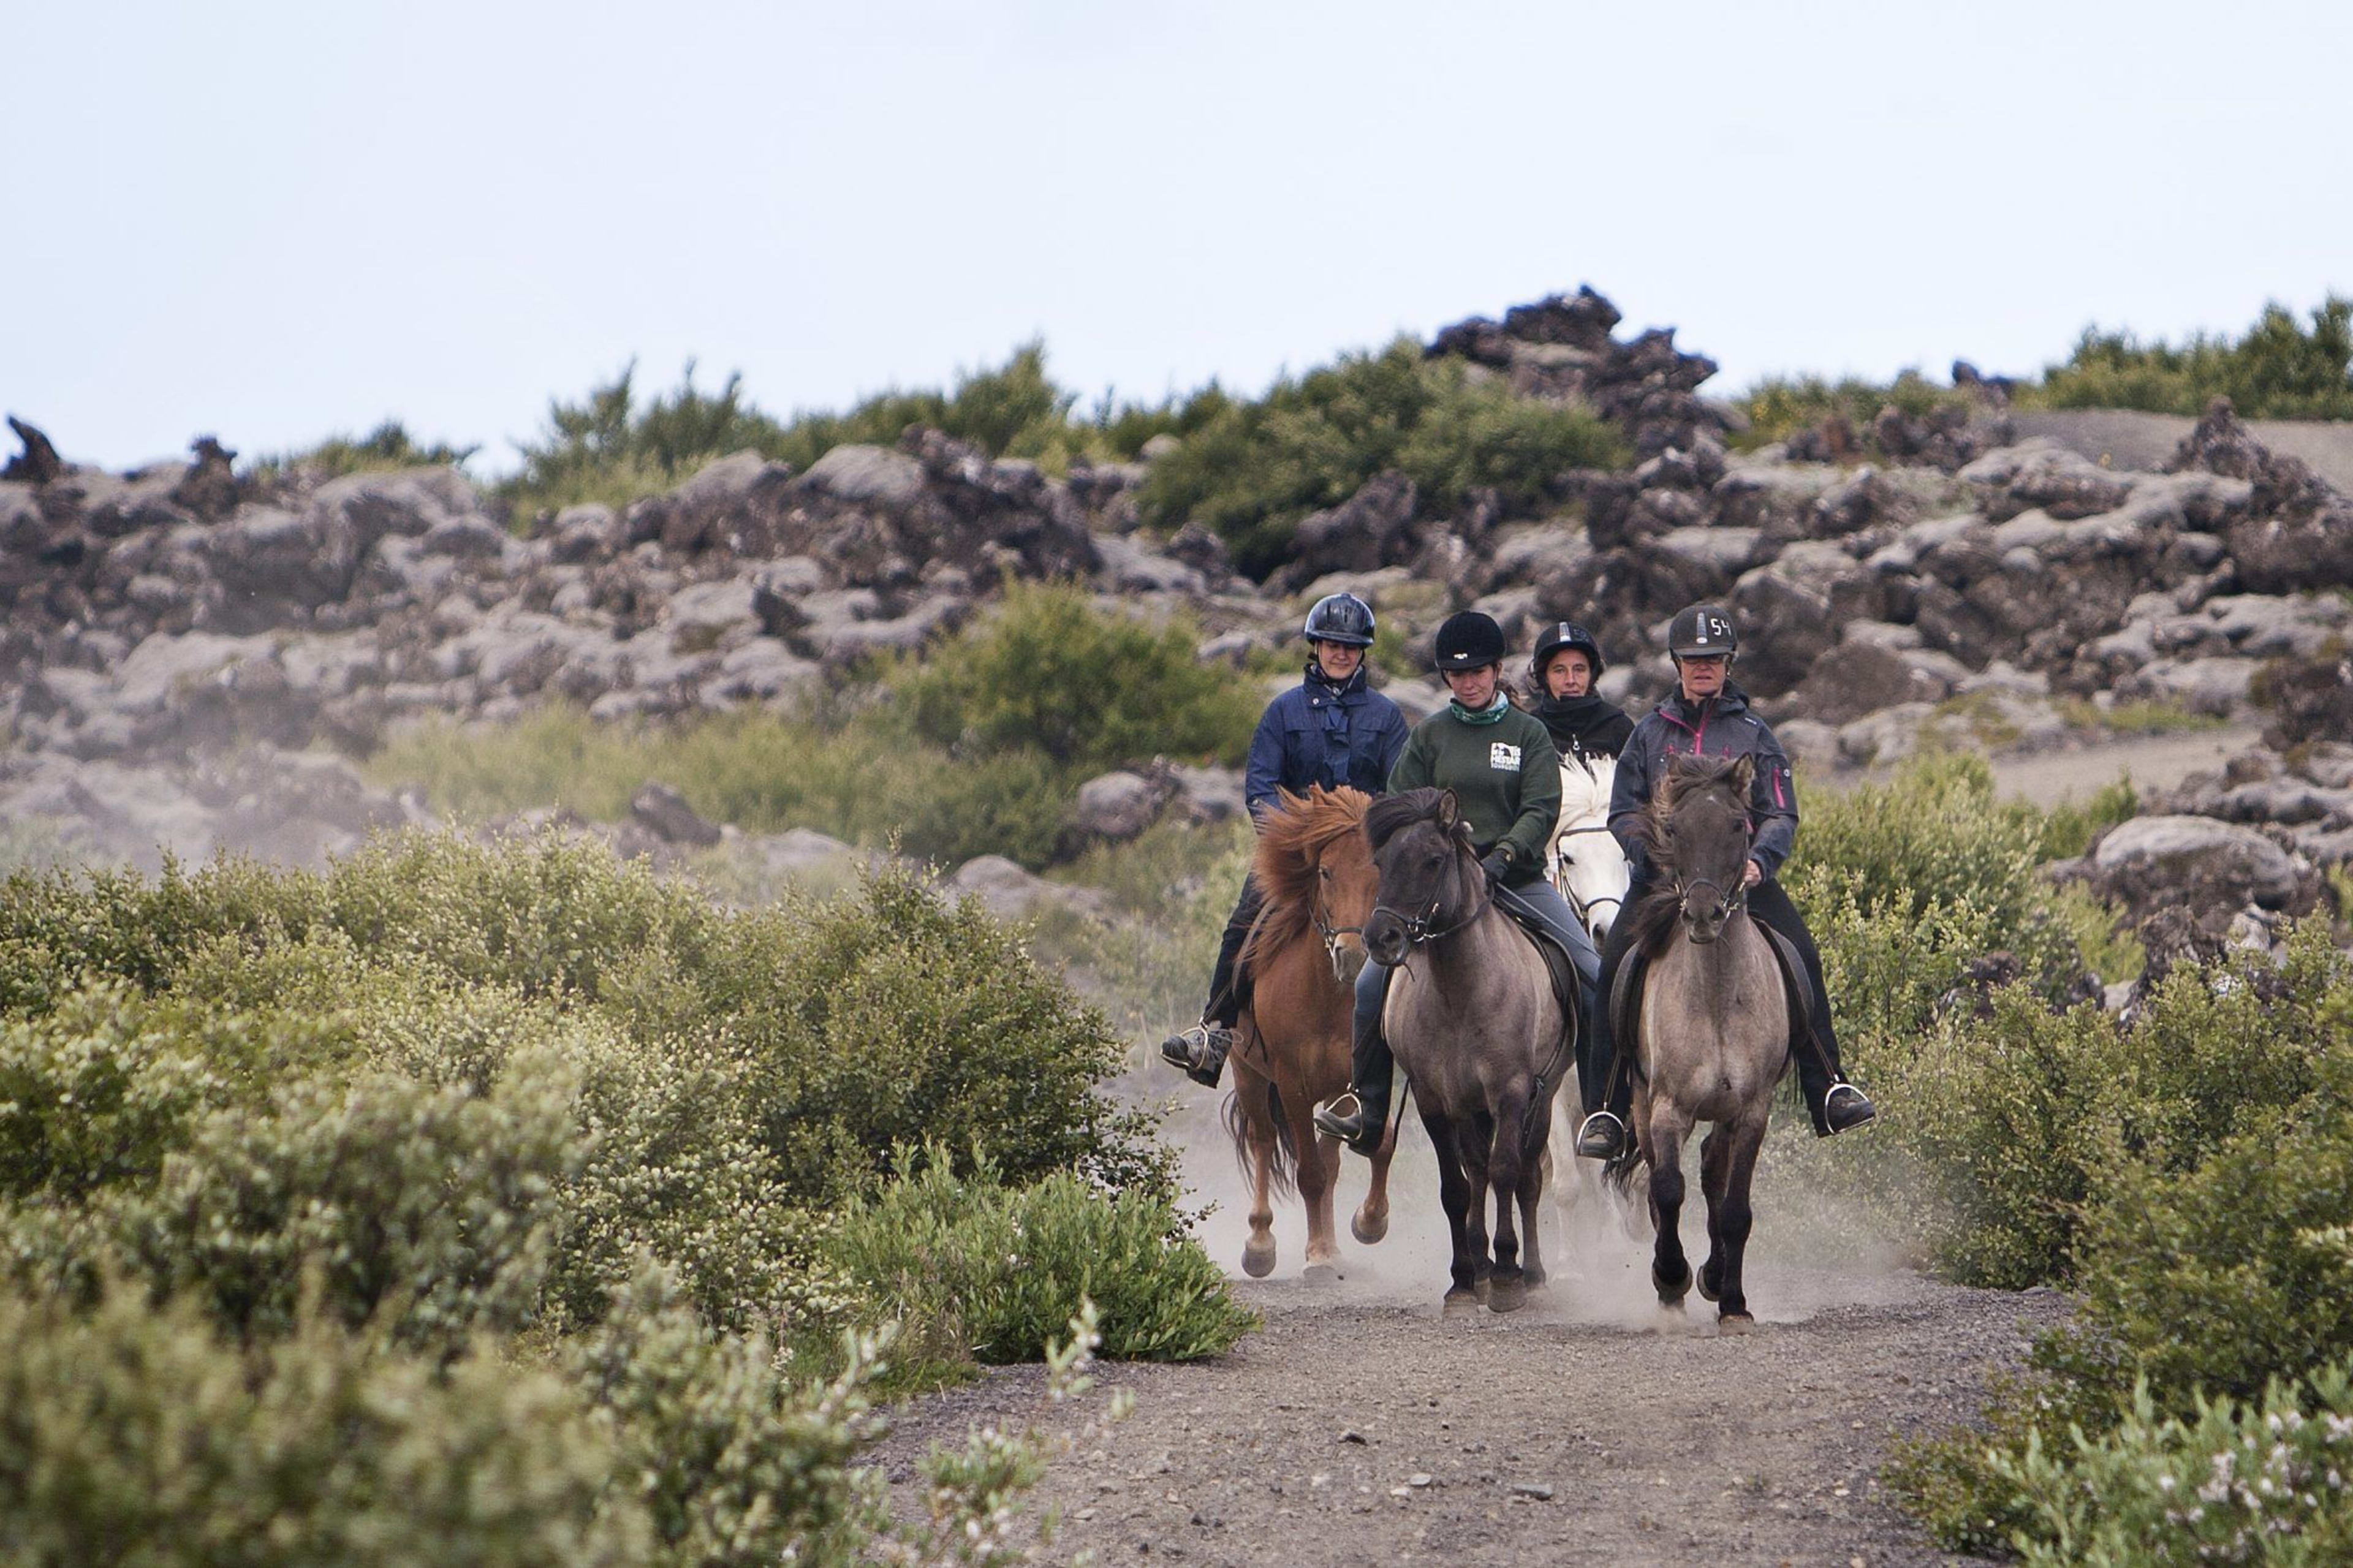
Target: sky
point(277, 221)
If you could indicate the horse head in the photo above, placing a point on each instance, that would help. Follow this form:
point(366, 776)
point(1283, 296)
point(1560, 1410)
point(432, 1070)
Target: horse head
point(1430, 879)
point(1699, 831)
point(1315, 866)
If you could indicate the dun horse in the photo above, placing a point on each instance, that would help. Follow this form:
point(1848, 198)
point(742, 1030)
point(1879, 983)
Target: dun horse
point(1715, 1027)
point(1291, 1048)
point(1472, 1018)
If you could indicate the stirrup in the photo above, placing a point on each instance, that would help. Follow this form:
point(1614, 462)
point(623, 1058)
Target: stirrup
point(1853, 1111)
point(1200, 1052)
point(1360, 1131)
point(1602, 1137)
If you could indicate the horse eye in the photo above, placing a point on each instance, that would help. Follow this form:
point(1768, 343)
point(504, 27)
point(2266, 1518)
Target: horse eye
point(1325, 872)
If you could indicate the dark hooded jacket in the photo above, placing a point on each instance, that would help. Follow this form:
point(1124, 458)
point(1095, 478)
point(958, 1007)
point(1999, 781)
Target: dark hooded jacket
point(1320, 733)
point(1723, 726)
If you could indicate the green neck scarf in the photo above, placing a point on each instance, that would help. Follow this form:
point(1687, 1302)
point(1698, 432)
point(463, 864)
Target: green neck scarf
point(1491, 714)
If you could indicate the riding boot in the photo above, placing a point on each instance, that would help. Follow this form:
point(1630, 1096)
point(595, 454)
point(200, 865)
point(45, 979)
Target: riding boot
point(1603, 1083)
point(1834, 1104)
point(1200, 1052)
point(1371, 1067)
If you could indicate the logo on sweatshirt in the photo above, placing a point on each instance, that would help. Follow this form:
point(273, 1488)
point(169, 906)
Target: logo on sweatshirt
point(1503, 757)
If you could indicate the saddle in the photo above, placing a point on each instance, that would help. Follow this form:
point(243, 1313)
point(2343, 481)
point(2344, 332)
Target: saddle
point(1626, 995)
point(1567, 987)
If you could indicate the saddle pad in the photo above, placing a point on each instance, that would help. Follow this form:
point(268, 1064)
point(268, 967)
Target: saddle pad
point(1794, 984)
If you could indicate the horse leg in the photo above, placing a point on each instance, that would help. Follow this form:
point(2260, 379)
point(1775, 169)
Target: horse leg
point(1670, 1269)
point(1372, 1219)
point(1475, 1136)
point(1715, 1150)
point(1253, 1093)
point(1454, 1196)
point(1319, 1167)
point(1535, 1174)
point(1730, 1217)
point(1506, 1170)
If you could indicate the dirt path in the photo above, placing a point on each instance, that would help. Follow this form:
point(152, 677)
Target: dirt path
point(2152, 762)
point(1359, 1428)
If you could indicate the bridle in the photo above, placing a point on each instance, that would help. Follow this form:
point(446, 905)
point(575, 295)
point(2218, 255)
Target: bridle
point(1417, 929)
point(1738, 901)
point(1330, 932)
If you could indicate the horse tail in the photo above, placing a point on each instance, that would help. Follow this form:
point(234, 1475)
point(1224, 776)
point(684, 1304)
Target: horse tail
point(1283, 1171)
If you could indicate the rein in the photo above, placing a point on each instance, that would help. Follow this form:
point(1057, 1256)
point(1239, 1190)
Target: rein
point(1417, 929)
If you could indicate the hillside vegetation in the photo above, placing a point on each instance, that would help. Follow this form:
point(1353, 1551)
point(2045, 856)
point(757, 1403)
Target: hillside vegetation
point(504, 1201)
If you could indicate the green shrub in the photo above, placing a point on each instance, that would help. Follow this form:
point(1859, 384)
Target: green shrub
point(1777, 407)
point(2258, 1482)
point(389, 446)
point(1255, 470)
point(2069, 829)
point(976, 1269)
point(1092, 692)
point(133, 1435)
point(2278, 370)
point(1936, 834)
point(439, 1204)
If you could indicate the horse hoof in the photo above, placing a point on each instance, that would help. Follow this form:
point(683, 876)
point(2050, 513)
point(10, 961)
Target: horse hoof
point(1321, 1276)
point(1507, 1295)
point(1460, 1303)
point(1709, 1290)
point(1734, 1322)
point(1257, 1261)
point(1671, 1289)
point(1369, 1228)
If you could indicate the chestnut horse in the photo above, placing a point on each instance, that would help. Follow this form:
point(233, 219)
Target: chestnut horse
point(1290, 1046)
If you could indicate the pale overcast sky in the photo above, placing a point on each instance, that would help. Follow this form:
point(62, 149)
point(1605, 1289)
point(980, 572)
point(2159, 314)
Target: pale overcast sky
point(275, 221)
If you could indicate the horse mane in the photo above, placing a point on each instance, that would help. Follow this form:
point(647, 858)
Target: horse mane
point(1651, 917)
point(1393, 814)
point(1291, 841)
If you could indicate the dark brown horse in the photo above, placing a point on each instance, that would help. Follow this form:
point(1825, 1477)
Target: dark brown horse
point(1472, 1018)
point(1291, 1047)
point(1715, 1027)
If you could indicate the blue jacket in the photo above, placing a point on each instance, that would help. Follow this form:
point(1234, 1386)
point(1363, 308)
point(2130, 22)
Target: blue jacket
point(1317, 733)
point(1721, 727)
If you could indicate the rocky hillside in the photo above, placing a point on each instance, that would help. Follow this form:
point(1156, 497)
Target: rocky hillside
point(188, 651)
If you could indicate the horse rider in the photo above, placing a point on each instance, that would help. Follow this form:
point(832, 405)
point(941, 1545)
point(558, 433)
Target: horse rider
point(1505, 776)
point(1708, 716)
point(1332, 729)
point(1563, 668)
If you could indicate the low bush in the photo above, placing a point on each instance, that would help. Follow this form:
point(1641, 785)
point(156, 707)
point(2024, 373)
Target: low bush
point(1936, 834)
point(1779, 407)
point(134, 1434)
point(1089, 691)
point(2278, 369)
point(389, 446)
point(2202, 1213)
point(1255, 470)
point(975, 1269)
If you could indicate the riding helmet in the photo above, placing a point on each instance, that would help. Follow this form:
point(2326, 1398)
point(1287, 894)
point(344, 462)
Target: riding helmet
point(1341, 619)
point(1556, 637)
point(1703, 628)
point(1468, 640)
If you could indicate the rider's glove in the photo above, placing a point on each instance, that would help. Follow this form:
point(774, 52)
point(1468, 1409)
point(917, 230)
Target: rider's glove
point(1496, 863)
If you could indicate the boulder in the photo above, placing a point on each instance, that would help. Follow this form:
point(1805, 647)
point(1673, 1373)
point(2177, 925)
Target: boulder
point(1009, 892)
point(1116, 806)
point(664, 812)
point(2199, 863)
point(862, 475)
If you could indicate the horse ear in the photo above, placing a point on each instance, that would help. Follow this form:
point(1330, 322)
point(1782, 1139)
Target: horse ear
point(1448, 811)
point(1743, 772)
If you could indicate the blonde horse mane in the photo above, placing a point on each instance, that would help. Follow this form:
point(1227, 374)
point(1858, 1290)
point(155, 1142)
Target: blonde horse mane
point(1290, 842)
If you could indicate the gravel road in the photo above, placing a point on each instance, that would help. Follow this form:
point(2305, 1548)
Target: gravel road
point(1360, 1427)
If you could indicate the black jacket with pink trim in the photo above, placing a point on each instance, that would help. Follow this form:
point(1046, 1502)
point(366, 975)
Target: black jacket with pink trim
point(1721, 727)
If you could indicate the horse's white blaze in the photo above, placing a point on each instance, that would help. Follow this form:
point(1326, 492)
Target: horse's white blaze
point(1584, 860)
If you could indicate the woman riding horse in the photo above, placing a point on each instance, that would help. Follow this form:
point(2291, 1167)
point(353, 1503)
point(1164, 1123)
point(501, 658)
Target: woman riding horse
point(1583, 723)
point(1505, 776)
point(1588, 732)
point(1708, 716)
point(1332, 729)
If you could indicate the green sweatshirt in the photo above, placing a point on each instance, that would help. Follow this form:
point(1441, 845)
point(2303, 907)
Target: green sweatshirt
point(1505, 777)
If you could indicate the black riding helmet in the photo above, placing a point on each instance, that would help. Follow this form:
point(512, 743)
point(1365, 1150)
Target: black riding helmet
point(1556, 637)
point(1467, 640)
point(1703, 628)
point(1341, 619)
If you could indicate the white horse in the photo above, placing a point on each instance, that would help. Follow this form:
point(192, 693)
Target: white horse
point(1583, 858)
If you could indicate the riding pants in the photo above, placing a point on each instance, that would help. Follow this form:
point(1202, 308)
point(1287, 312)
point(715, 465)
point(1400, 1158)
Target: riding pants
point(1538, 907)
point(1229, 987)
point(1818, 1062)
